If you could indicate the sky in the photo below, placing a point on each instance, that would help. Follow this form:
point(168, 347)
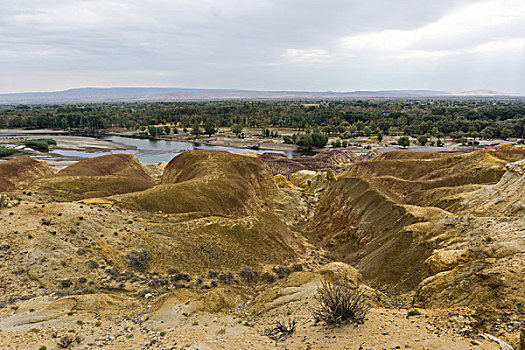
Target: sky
point(314, 45)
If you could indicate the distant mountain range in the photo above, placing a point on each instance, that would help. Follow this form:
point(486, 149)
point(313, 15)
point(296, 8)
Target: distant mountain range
point(123, 94)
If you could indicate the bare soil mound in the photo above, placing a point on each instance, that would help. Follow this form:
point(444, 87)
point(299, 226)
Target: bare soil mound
point(210, 182)
point(96, 177)
point(18, 172)
point(335, 159)
point(211, 254)
point(125, 164)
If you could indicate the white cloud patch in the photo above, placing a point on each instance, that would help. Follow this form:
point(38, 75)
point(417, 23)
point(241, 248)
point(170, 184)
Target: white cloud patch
point(307, 56)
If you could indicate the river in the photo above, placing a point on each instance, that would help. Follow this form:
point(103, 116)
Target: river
point(146, 150)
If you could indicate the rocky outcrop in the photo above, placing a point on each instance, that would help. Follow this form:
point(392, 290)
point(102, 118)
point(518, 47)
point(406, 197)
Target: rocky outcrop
point(448, 226)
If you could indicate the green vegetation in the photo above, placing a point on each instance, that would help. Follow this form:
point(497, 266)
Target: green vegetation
point(40, 144)
point(403, 141)
point(414, 312)
point(209, 127)
point(5, 152)
point(435, 118)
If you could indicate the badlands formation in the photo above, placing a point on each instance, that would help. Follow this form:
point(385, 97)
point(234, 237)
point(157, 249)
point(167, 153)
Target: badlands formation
point(212, 249)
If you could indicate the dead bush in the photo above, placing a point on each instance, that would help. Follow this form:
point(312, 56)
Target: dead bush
point(269, 277)
point(226, 277)
point(67, 340)
point(338, 303)
point(247, 273)
point(139, 260)
point(282, 329)
point(281, 271)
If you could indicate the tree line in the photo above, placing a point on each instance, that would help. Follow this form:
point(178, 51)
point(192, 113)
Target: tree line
point(346, 119)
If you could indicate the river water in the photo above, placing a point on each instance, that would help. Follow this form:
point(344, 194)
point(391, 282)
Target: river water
point(152, 151)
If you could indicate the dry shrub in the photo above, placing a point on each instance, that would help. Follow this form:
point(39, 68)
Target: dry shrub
point(281, 330)
point(339, 303)
point(139, 260)
point(68, 340)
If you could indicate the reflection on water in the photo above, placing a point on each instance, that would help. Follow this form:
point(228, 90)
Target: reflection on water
point(154, 151)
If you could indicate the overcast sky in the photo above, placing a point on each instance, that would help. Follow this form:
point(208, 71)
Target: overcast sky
point(339, 45)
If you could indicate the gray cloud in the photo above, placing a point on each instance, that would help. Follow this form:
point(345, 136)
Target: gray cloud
point(264, 44)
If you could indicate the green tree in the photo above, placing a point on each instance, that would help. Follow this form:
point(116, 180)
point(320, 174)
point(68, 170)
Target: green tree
point(379, 137)
point(237, 129)
point(153, 131)
point(319, 140)
point(209, 128)
point(287, 139)
point(305, 142)
point(196, 130)
point(167, 129)
point(403, 141)
point(422, 139)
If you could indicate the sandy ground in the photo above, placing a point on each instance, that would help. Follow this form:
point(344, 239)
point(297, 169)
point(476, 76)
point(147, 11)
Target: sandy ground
point(64, 142)
point(383, 329)
point(75, 143)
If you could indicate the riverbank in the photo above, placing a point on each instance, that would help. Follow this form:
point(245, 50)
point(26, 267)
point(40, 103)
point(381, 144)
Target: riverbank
point(66, 142)
point(72, 147)
point(254, 140)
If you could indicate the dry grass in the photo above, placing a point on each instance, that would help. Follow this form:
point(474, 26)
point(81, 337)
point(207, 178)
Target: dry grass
point(338, 303)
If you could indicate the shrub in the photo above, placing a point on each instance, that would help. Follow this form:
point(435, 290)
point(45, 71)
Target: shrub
point(287, 139)
point(297, 267)
point(247, 273)
point(40, 144)
point(339, 303)
point(226, 278)
point(268, 277)
point(281, 330)
point(413, 312)
point(281, 271)
point(65, 342)
point(66, 283)
point(4, 151)
point(92, 264)
point(43, 347)
point(180, 276)
point(139, 260)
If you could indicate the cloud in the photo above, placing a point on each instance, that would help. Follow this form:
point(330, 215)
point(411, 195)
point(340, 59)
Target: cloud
point(273, 44)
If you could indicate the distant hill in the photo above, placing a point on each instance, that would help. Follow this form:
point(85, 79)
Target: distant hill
point(124, 94)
